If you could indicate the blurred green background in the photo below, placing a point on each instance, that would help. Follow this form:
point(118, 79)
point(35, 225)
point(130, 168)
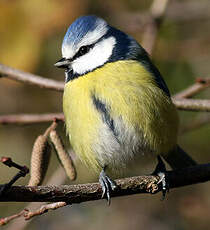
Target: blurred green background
point(31, 34)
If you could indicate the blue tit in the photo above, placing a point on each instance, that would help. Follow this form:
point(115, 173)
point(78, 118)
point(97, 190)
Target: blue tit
point(116, 104)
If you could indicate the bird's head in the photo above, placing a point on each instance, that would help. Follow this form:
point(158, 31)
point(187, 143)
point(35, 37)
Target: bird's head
point(90, 43)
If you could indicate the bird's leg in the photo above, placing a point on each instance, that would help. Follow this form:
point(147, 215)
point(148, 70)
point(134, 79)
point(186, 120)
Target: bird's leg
point(160, 170)
point(107, 185)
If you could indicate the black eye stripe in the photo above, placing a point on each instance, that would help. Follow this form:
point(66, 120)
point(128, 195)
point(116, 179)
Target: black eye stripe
point(82, 51)
point(87, 48)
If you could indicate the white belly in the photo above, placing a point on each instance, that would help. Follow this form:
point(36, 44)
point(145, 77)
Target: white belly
point(117, 149)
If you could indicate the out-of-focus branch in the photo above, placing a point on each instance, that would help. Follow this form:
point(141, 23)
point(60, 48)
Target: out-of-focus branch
point(30, 118)
point(195, 124)
point(57, 178)
point(201, 105)
point(157, 11)
point(177, 11)
point(200, 85)
point(188, 11)
point(20, 119)
point(127, 186)
point(6, 220)
point(29, 78)
point(44, 208)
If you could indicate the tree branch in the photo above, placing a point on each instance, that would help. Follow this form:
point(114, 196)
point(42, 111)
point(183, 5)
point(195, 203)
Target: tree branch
point(6, 220)
point(86, 192)
point(201, 84)
point(201, 105)
point(29, 78)
point(195, 124)
point(34, 209)
point(21, 119)
point(43, 209)
point(157, 11)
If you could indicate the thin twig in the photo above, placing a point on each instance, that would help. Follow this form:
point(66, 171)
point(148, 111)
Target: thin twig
point(29, 78)
point(52, 127)
point(195, 124)
point(30, 214)
point(10, 163)
point(57, 178)
point(200, 85)
point(43, 209)
point(6, 220)
point(21, 119)
point(157, 11)
point(22, 173)
point(127, 186)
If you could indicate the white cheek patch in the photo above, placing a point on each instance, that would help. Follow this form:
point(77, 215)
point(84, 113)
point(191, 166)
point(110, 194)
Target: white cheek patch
point(96, 57)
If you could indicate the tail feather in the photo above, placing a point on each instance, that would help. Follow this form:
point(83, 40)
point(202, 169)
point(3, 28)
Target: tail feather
point(178, 158)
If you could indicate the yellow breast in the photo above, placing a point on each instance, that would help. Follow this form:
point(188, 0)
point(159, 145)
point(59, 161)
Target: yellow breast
point(136, 104)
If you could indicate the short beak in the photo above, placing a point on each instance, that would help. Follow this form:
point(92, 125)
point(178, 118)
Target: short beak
point(63, 63)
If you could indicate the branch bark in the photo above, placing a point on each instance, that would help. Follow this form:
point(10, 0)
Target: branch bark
point(21, 119)
point(86, 192)
point(18, 75)
point(201, 105)
point(157, 11)
point(196, 88)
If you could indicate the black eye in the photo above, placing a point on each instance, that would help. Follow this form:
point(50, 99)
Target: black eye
point(83, 50)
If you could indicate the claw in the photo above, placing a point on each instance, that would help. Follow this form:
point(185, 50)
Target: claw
point(160, 170)
point(165, 186)
point(107, 185)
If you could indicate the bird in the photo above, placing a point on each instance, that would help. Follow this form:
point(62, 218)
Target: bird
point(116, 104)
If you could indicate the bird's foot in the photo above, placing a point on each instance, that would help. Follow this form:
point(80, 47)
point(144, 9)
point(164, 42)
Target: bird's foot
point(160, 171)
point(107, 185)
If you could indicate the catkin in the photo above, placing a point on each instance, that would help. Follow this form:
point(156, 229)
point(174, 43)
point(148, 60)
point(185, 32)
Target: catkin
point(39, 160)
point(63, 155)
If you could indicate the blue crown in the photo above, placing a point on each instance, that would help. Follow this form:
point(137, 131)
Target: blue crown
point(80, 27)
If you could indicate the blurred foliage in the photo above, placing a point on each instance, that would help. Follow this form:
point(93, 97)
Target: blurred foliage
point(31, 34)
